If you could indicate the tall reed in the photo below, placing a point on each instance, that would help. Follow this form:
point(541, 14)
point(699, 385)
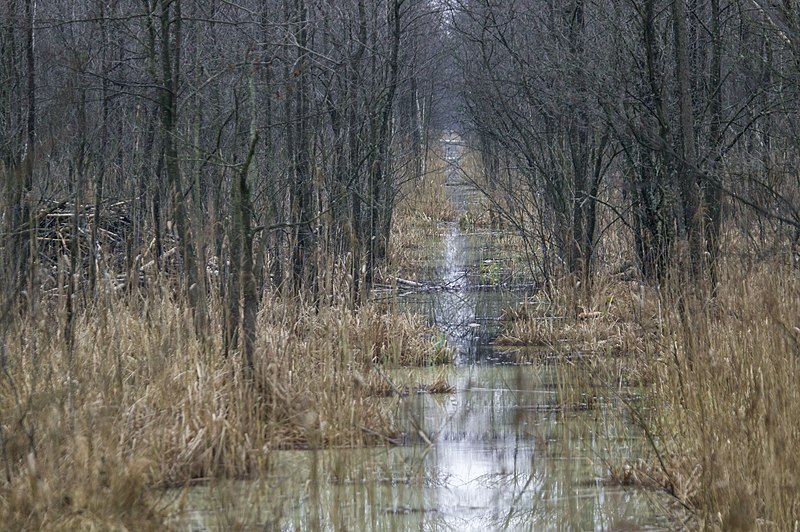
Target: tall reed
point(727, 398)
point(157, 405)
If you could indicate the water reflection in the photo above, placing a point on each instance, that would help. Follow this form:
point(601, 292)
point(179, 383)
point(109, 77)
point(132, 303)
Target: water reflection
point(468, 312)
point(499, 461)
point(499, 454)
point(466, 285)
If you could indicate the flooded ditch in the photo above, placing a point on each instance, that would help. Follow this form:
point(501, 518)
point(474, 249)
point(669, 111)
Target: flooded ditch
point(498, 454)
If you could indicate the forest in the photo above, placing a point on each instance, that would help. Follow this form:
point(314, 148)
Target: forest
point(228, 228)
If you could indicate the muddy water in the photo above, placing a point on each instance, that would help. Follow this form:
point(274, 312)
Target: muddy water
point(498, 454)
point(501, 459)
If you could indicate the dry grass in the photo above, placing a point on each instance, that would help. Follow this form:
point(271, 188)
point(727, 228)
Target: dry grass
point(721, 376)
point(144, 402)
point(727, 401)
point(154, 405)
point(423, 207)
point(620, 319)
point(601, 335)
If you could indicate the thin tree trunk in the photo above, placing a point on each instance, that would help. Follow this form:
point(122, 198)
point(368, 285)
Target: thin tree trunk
point(78, 184)
point(248, 279)
point(712, 195)
point(101, 170)
point(171, 22)
point(381, 185)
point(29, 265)
point(690, 191)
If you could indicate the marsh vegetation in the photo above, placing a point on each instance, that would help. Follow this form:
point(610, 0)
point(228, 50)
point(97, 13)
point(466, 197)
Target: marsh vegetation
point(338, 264)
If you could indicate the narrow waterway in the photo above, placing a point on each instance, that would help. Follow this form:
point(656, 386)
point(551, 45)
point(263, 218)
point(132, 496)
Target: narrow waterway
point(467, 279)
point(500, 460)
point(498, 454)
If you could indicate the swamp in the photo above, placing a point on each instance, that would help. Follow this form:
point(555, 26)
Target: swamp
point(399, 265)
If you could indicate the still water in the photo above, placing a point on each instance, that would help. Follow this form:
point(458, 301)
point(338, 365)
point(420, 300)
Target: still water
point(498, 454)
point(500, 459)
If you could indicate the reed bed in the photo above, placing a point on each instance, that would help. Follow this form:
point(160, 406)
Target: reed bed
point(719, 374)
point(726, 398)
point(91, 430)
point(144, 402)
point(418, 217)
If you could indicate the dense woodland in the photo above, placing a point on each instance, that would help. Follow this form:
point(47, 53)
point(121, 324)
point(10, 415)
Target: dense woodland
point(211, 142)
point(266, 142)
point(685, 109)
point(234, 156)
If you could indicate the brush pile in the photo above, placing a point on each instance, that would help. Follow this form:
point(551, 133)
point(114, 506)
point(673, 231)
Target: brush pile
point(100, 238)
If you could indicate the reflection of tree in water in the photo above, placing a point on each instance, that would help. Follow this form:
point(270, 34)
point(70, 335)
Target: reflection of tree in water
point(504, 455)
point(456, 299)
point(504, 463)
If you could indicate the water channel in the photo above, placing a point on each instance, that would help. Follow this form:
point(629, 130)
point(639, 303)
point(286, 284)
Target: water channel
point(498, 454)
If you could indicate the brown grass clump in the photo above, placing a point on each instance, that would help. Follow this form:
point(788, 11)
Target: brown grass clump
point(152, 404)
point(616, 322)
point(417, 218)
point(382, 385)
point(568, 335)
point(727, 398)
point(439, 386)
point(720, 377)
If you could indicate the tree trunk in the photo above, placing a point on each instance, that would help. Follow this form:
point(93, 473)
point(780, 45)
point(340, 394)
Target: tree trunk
point(689, 187)
point(302, 196)
point(101, 170)
point(711, 194)
point(248, 279)
point(381, 184)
